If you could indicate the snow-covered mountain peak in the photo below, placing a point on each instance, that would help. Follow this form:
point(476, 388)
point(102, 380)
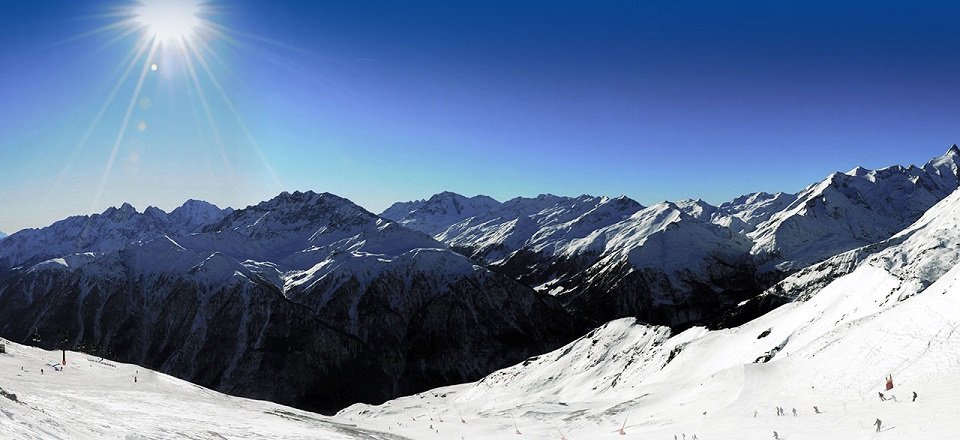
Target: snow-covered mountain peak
point(697, 208)
point(297, 211)
point(947, 165)
point(849, 210)
point(123, 213)
point(858, 171)
point(441, 210)
point(194, 215)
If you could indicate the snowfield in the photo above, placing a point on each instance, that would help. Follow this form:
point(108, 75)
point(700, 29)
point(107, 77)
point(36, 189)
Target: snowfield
point(90, 399)
point(834, 353)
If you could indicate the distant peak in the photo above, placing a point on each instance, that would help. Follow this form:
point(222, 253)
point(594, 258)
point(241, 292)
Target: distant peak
point(953, 151)
point(858, 171)
point(446, 195)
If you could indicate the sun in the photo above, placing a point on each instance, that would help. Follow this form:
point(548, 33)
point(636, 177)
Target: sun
point(166, 21)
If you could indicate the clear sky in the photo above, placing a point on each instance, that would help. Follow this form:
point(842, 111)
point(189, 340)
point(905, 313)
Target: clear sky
point(380, 101)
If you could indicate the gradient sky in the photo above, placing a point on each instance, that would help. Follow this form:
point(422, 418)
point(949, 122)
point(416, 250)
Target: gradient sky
point(395, 100)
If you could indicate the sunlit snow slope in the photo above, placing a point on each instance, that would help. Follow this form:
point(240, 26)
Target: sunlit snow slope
point(94, 399)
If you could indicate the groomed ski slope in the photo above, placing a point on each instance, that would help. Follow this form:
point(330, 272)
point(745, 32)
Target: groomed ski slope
point(94, 400)
point(836, 350)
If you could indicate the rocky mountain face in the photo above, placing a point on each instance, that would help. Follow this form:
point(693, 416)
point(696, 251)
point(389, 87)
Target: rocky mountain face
point(305, 299)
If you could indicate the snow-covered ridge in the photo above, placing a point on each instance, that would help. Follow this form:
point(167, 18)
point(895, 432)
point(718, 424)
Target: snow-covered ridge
point(111, 230)
point(435, 214)
point(849, 210)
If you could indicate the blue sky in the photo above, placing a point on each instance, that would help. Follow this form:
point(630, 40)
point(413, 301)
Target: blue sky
point(389, 100)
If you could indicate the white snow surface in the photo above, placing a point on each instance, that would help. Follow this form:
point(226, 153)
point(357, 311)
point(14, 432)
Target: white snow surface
point(94, 399)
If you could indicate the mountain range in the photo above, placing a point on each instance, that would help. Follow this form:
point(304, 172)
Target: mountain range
point(878, 319)
point(310, 300)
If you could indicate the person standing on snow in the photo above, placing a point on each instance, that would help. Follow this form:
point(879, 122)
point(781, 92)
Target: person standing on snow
point(878, 423)
point(794, 412)
point(776, 436)
point(882, 399)
point(914, 396)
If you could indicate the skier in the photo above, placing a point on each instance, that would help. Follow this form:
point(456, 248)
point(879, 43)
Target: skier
point(794, 412)
point(41, 371)
point(914, 396)
point(754, 413)
point(776, 436)
point(882, 399)
point(878, 423)
point(816, 410)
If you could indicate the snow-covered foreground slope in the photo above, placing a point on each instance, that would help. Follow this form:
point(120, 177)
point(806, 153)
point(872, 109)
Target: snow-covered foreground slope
point(896, 313)
point(94, 399)
point(835, 351)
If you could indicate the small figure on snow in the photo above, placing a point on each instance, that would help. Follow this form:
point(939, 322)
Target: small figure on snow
point(794, 412)
point(754, 413)
point(882, 398)
point(914, 396)
point(878, 423)
point(816, 410)
point(776, 436)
